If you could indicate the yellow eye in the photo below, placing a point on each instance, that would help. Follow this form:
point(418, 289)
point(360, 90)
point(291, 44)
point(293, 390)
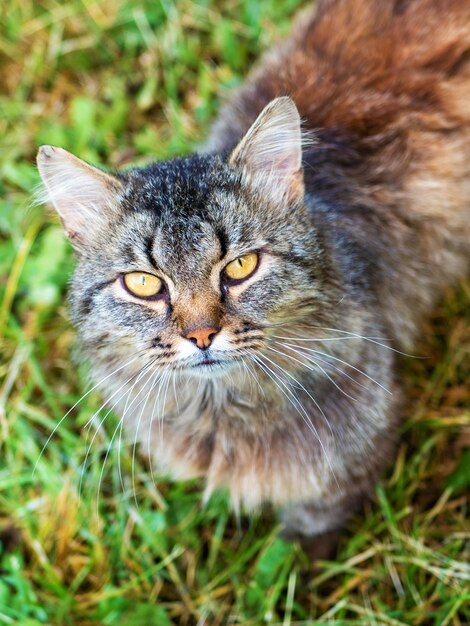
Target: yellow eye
point(242, 267)
point(141, 284)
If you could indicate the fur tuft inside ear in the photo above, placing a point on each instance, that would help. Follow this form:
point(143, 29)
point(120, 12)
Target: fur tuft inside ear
point(81, 194)
point(271, 150)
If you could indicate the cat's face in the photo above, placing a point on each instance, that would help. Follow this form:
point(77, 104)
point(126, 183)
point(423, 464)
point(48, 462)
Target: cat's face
point(189, 264)
point(194, 269)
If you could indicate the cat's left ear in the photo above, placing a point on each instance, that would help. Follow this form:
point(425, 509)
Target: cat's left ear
point(82, 195)
point(271, 150)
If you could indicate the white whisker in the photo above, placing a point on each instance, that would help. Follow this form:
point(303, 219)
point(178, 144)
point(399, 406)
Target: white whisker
point(154, 382)
point(118, 427)
point(299, 384)
point(76, 404)
point(161, 381)
point(90, 423)
point(91, 420)
point(309, 367)
point(296, 404)
point(351, 336)
point(335, 358)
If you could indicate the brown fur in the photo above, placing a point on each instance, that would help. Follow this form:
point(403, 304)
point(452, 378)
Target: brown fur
point(385, 85)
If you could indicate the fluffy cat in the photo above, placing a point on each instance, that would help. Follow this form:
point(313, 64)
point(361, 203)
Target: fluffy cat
point(239, 306)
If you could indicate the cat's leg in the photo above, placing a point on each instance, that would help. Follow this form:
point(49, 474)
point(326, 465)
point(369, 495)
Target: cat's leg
point(317, 525)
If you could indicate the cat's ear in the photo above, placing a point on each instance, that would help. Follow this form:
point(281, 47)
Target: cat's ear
point(81, 194)
point(271, 150)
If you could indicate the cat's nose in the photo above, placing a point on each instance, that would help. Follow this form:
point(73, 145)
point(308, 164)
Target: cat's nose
point(202, 337)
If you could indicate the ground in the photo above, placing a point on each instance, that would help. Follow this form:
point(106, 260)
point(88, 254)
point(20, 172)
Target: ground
point(125, 81)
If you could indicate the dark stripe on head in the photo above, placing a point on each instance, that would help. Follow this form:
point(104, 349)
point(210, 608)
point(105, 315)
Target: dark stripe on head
point(86, 301)
point(223, 241)
point(148, 252)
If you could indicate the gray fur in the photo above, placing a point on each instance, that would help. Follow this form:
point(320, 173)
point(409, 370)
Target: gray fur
point(328, 300)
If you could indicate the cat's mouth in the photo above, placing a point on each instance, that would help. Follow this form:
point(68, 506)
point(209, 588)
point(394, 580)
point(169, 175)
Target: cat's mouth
point(209, 366)
point(208, 363)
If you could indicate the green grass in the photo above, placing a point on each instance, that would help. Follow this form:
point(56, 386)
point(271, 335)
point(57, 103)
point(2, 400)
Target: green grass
point(120, 82)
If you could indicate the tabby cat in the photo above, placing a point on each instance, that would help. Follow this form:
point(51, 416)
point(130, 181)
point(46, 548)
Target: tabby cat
point(241, 307)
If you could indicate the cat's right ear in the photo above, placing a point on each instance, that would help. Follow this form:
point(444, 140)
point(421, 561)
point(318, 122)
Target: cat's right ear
point(271, 150)
point(81, 194)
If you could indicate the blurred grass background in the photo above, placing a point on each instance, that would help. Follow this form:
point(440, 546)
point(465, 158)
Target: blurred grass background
point(120, 82)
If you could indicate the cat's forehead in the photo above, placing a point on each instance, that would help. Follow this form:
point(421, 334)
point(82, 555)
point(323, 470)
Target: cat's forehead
point(186, 214)
point(186, 247)
point(180, 188)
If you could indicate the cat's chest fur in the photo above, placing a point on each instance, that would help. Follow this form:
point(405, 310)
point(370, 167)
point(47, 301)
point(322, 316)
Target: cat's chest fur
point(245, 435)
point(247, 447)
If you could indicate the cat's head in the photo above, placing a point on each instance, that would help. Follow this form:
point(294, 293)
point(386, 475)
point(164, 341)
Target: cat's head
point(190, 263)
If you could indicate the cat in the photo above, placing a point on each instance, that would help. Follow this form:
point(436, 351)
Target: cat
point(242, 307)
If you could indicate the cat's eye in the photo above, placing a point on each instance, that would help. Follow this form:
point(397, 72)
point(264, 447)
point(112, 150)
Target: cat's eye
point(242, 267)
point(141, 284)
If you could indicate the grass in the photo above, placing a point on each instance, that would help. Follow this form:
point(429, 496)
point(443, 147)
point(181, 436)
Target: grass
point(120, 82)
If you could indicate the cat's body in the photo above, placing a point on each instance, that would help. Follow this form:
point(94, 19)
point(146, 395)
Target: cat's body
point(294, 399)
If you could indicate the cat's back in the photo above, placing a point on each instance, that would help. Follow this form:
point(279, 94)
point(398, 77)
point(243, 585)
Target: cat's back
point(363, 67)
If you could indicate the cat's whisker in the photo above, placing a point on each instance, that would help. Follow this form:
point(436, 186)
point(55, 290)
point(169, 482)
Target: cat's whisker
point(125, 393)
point(121, 422)
point(175, 395)
point(89, 423)
point(298, 406)
point(351, 337)
point(243, 372)
point(309, 367)
point(233, 386)
point(295, 403)
point(119, 429)
point(149, 437)
point(153, 383)
point(55, 429)
point(246, 374)
point(246, 368)
point(176, 388)
point(257, 379)
point(248, 364)
point(161, 381)
point(167, 385)
point(319, 339)
point(300, 386)
point(318, 360)
point(139, 375)
point(315, 361)
point(335, 358)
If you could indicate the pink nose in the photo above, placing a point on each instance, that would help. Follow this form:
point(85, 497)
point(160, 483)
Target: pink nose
point(202, 337)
